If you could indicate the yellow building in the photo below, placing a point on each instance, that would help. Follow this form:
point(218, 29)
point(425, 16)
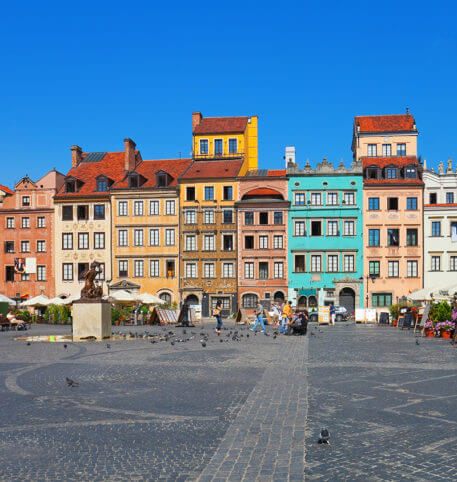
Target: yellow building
point(226, 138)
point(145, 229)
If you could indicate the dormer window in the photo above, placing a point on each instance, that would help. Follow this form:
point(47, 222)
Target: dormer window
point(70, 186)
point(163, 179)
point(372, 173)
point(391, 173)
point(410, 173)
point(134, 181)
point(103, 184)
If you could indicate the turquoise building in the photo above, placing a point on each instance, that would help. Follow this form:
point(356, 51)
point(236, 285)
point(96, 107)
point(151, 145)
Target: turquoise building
point(325, 234)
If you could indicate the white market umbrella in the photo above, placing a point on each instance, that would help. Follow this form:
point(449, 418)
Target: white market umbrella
point(5, 299)
point(122, 296)
point(420, 295)
point(57, 301)
point(70, 299)
point(149, 299)
point(40, 300)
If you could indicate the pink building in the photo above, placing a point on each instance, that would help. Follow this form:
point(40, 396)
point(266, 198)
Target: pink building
point(262, 237)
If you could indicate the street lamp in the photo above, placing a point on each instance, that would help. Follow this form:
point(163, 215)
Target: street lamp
point(372, 277)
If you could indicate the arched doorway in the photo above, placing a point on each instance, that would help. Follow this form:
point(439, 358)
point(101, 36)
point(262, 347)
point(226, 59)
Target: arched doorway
point(302, 302)
point(279, 296)
point(347, 299)
point(312, 301)
point(192, 300)
point(166, 297)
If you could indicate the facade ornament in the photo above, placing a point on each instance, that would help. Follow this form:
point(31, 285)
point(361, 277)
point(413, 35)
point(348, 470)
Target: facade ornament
point(449, 167)
point(441, 168)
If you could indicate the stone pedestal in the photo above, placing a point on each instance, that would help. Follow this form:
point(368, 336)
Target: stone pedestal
point(91, 319)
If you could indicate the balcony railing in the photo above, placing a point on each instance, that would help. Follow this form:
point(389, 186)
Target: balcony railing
point(218, 155)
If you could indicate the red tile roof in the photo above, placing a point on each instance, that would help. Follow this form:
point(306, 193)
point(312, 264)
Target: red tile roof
point(212, 169)
point(385, 123)
point(399, 161)
point(263, 191)
point(6, 189)
point(277, 172)
point(445, 205)
point(392, 181)
point(221, 125)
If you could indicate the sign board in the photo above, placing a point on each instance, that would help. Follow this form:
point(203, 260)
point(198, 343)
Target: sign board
point(408, 321)
point(359, 315)
point(30, 265)
point(160, 316)
point(383, 318)
point(186, 318)
point(324, 314)
point(370, 315)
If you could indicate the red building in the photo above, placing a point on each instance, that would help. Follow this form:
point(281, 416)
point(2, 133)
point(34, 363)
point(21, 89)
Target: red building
point(27, 231)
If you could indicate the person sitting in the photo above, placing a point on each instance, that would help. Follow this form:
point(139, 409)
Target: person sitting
point(299, 324)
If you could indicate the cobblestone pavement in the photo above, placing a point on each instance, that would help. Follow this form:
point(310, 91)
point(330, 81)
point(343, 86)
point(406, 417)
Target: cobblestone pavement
point(233, 410)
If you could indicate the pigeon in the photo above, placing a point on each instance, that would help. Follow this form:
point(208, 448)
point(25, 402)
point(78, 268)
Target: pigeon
point(221, 340)
point(28, 343)
point(203, 344)
point(172, 343)
point(417, 342)
point(71, 383)
point(324, 437)
point(65, 346)
point(274, 337)
point(108, 345)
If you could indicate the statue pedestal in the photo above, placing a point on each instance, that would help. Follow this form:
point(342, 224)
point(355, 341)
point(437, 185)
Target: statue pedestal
point(91, 319)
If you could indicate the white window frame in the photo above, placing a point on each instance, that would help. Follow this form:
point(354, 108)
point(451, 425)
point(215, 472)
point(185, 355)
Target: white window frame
point(122, 261)
point(300, 228)
point(278, 271)
point(41, 273)
point(191, 270)
point(334, 230)
point(138, 208)
point(138, 268)
point(227, 270)
point(138, 237)
point(412, 268)
point(99, 240)
point(208, 270)
point(170, 208)
point(314, 197)
point(249, 270)
point(208, 216)
point(349, 263)
point(278, 241)
point(209, 242)
point(154, 268)
point(25, 222)
point(200, 141)
point(41, 222)
point(347, 231)
point(236, 145)
point(154, 208)
point(190, 242)
point(263, 242)
point(154, 237)
point(67, 268)
point(41, 246)
point(65, 244)
point(393, 269)
point(84, 237)
point(333, 263)
point(170, 237)
point(349, 195)
point(330, 200)
point(122, 238)
point(190, 216)
point(122, 208)
point(316, 263)
point(299, 196)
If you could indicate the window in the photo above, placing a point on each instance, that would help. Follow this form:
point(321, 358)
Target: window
point(332, 228)
point(217, 147)
point(190, 193)
point(263, 270)
point(249, 242)
point(191, 270)
point(25, 201)
point(316, 228)
point(277, 218)
point(208, 242)
point(154, 208)
point(401, 149)
point(190, 217)
point(227, 270)
point(372, 150)
point(412, 269)
point(227, 242)
point(169, 237)
point(170, 208)
point(374, 268)
point(411, 237)
point(299, 228)
point(9, 246)
point(228, 216)
point(170, 267)
point(162, 179)
point(316, 263)
point(249, 301)
point(249, 270)
point(67, 240)
point(373, 237)
point(82, 212)
point(123, 268)
point(449, 198)
point(228, 193)
point(263, 242)
point(102, 185)
point(225, 300)
point(41, 273)
point(349, 265)
point(233, 146)
point(332, 263)
point(101, 272)
point(191, 242)
point(25, 223)
point(453, 263)
point(208, 216)
point(154, 237)
point(154, 271)
point(122, 208)
point(138, 208)
point(25, 246)
point(122, 237)
point(386, 150)
point(393, 237)
point(249, 218)
point(279, 270)
point(372, 173)
point(25, 277)
point(209, 193)
point(332, 199)
point(41, 246)
point(83, 240)
point(391, 173)
point(436, 263)
point(70, 186)
point(349, 198)
point(410, 173)
point(82, 268)
point(134, 181)
point(10, 223)
point(299, 263)
point(263, 218)
point(453, 231)
point(278, 242)
point(392, 203)
point(349, 228)
point(99, 240)
point(67, 272)
point(381, 299)
point(208, 270)
point(299, 199)
point(138, 268)
point(433, 198)
point(41, 222)
point(99, 211)
point(411, 203)
point(373, 204)
point(9, 273)
point(436, 228)
point(392, 267)
point(316, 198)
point(203, 146)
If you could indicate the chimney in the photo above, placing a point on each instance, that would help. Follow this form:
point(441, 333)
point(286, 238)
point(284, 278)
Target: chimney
point(129, 163)
point(196, 119)
point(76, 152)
point(290, 155)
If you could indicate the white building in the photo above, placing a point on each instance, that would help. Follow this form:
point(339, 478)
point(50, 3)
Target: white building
point(440, 226)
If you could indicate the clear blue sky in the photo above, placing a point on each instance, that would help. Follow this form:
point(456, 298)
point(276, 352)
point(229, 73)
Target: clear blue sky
point(92, 73)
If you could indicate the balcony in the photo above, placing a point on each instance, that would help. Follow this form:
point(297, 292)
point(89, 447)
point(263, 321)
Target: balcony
point(217, 156)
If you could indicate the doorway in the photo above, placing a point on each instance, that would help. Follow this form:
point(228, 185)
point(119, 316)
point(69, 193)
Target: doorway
point(347, 299)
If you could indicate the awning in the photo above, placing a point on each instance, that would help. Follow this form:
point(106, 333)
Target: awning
point(307, 292)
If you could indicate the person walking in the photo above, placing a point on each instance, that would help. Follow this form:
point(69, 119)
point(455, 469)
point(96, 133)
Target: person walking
point(286, 315)
point(259, 319)
point(276, 313)
point(217, 313)
point(332, 314)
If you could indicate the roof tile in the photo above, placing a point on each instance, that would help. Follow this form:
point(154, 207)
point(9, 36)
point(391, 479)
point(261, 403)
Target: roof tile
point(221, 125)
point(399, 161)
point(385, 123)
point(212, 169)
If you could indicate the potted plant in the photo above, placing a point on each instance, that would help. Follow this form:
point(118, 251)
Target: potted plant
point(429, 329)
point(445, 328)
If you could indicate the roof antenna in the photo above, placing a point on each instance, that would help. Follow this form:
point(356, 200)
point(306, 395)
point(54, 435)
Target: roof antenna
point(180, 154)
point(407, 110)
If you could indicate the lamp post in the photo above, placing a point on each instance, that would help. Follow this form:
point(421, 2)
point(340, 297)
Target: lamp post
point(372, 277)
